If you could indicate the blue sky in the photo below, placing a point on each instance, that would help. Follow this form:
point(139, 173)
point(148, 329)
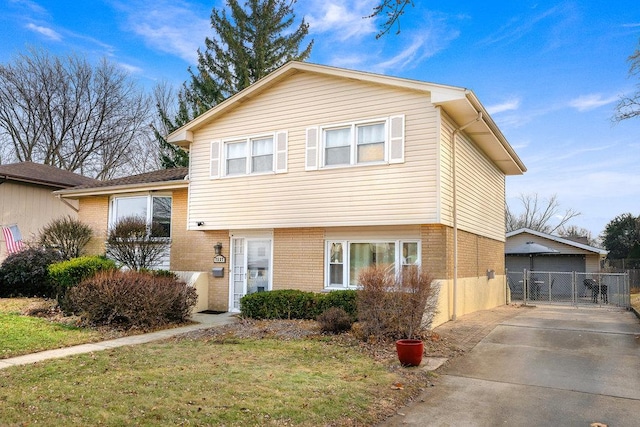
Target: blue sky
point(549, 72)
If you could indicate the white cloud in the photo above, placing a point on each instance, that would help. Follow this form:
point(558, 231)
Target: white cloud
point(131, 69)
point(45, 31)
point(590, 102)
point(175, 27)
point(342, 19)
point(508, 105)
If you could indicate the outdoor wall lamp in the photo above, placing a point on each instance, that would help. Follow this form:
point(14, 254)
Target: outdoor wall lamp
point(218, 248)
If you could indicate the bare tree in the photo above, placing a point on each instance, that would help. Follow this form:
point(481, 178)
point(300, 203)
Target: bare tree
point(64, 112)
point(577, 234)
point(539, 215)
point(629, 106)
point(392, 10)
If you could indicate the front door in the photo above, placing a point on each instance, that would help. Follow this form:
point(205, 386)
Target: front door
point(251, 268)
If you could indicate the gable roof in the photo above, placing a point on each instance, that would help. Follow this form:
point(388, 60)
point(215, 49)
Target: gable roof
point(558, 239)
point(460, 104)
point(156, 180)
point(36, 173)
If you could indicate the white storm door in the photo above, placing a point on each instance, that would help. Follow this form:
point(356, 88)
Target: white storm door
point(251, 266)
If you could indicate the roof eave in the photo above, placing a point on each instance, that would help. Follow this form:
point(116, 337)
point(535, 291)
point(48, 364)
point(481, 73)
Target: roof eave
point(120, 189)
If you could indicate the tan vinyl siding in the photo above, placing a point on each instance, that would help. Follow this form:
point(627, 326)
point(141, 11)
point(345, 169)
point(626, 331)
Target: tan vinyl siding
point(31, 207)
point(397, 194)
point(480, 188)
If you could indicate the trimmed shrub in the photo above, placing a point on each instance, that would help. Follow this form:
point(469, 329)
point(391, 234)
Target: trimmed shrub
point(335, 320)
point(67, 235)
point(67, 274)
point(344, 299)
point(132, 300)
point(295, 304)
point(26, 273)
point(281, 304)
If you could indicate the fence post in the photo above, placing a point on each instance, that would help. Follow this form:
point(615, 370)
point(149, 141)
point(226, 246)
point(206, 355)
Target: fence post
point(525, 286)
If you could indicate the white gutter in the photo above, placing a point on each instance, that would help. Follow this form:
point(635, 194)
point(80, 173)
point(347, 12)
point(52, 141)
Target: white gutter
point(454, 136)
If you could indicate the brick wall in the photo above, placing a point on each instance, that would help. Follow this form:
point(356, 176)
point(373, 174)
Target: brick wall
point(193, 251)
point(298, 259)
point(94, 211)
point(476, 254)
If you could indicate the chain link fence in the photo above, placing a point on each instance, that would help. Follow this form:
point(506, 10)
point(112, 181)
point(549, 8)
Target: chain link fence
point(569, 288)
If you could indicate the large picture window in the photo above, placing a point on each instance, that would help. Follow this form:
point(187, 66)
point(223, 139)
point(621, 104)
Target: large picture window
point(156, 210)
point(346, 259)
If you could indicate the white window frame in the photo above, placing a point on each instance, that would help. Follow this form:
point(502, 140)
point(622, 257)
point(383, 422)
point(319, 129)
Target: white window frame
point(346, 258)
point(149, 217)
point(249, 154)
point(353, 142)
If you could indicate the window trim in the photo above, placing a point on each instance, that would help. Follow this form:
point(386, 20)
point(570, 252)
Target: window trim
point(248, 140)
point(353, 142)
point(149, 199)
point(346, 258)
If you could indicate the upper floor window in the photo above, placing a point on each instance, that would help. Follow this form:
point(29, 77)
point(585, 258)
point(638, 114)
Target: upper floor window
point(156, 210)
point(253, 155)
point(364, 142)
point(249, 155)
point(354, 144)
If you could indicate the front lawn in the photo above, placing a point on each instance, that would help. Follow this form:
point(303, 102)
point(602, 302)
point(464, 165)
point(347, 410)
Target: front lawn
point(226, 381)
point(21, 334)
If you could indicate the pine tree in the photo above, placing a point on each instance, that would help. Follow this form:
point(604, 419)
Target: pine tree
point(246, 46)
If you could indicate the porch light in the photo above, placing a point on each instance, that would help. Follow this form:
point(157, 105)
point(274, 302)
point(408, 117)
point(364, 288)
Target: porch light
point(218, 248)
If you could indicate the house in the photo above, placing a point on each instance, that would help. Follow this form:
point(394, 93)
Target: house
point(26, 199)
point(563, 255)
point(313, 173)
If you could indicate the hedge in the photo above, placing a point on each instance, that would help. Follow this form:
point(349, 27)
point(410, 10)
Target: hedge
point(295, 304)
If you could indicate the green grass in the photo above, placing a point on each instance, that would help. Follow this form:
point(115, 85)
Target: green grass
point(23, 334)
point(239, 382)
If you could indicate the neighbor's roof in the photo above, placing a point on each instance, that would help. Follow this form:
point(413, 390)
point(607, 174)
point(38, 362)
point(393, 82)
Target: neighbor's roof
point(156, 180)
point(36, 173)
point(460, 104)
point(558, 239)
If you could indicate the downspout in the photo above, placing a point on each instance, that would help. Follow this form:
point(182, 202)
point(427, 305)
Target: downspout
point(454, 136)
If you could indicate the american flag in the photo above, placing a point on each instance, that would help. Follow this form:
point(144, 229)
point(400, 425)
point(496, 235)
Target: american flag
point(12, 238)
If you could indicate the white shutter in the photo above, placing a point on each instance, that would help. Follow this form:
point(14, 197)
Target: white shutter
point(311, 157)
point(281, 151)
point(396, 139)
point(215, 159)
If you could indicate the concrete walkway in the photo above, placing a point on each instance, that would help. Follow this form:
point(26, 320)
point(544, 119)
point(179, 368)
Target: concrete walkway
point(549, 366)
point(204, 321)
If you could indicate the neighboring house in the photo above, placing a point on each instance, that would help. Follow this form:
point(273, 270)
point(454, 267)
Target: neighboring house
point(313, 173)
point(564, 255)
point(26, 199)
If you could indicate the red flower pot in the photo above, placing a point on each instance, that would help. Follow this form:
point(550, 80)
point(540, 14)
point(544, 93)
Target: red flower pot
point(410, 352)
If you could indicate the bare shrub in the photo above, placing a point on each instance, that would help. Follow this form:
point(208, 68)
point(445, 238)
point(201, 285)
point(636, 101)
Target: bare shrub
point(67, 235)
point(395, 306)
point(334, 320)
point(132, 299)
point(135, 245)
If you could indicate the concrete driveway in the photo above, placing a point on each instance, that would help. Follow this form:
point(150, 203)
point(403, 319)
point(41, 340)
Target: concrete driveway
point(548, 366)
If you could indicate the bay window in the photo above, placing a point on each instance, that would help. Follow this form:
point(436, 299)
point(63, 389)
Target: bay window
point(346, 259)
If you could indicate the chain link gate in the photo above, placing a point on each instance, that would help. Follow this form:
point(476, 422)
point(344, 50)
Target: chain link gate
point(572, 288)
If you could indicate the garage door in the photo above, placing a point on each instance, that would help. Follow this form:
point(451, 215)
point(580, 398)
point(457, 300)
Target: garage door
point(546, 263)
